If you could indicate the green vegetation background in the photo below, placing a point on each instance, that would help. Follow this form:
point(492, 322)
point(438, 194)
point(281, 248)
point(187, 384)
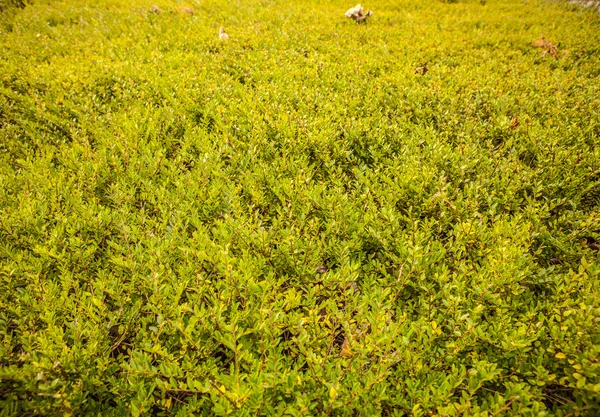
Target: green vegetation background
point(294, 222)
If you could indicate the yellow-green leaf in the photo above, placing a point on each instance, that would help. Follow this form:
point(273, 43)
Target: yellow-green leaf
point(332, 392)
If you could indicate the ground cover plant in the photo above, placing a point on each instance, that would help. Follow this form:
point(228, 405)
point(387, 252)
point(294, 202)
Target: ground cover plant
point(312, 217)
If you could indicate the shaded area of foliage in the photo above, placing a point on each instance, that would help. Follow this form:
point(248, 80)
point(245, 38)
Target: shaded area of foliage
point(8, 4)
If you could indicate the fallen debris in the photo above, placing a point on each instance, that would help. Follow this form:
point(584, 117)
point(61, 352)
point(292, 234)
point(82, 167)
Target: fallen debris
point(222, 35)
point(422, 69)
point(185, 10)
point(155, 9)
point(547, 46)
point(357, 13)
point(346, 350)
point(587, 4)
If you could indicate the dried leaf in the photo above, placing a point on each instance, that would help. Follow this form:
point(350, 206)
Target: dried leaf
point(155, 9)
point(547, 46)
point(222, 35)
point(186, 10)
point(422, 69)
point(346, 351)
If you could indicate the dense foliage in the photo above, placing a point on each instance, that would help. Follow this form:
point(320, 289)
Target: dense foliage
point(311, 218)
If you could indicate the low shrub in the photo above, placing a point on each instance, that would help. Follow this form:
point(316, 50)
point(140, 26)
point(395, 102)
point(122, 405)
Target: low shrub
point(310, 218)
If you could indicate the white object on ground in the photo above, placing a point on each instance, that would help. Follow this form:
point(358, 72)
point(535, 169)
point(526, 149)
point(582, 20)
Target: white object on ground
point(357, 13)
